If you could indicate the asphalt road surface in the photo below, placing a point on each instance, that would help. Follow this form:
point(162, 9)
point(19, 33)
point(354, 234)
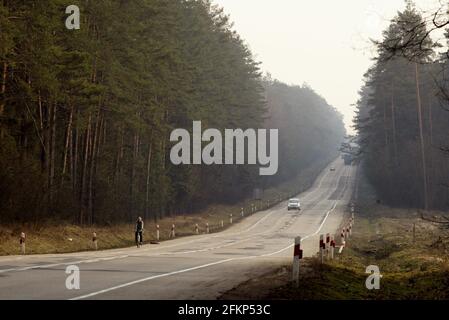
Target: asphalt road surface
point(196, 267)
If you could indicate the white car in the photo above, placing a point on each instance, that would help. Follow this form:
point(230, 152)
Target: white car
point(294, 204)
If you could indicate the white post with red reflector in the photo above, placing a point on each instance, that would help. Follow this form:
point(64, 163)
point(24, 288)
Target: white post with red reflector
point(242, 212)
point(197, 229)
point(230, 218)
point(172, 232)
point(207, 227)
point(352, 214)
point(322, 247)
point(22, 242)
point(332, 247)
point(157, 232)
point(95, 240)
point(297, 255)
point(342, 237)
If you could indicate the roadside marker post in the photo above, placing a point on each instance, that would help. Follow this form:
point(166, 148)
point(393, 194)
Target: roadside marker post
point(172, 232)
point(322, 247)
point(252, 207)
point(332, 247)
point(95, 240)
point(207, 227)
point(222, 223)
point(197, 229)
point(342, 237)
point(347, 232)
point(22, 242)
point(243, 213)
point(230, 218)
point(157, 232)
point(328, 242)
point(297, 255)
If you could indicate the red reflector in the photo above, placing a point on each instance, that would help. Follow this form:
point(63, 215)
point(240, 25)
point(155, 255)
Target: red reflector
point(322, 244)
point(297, 250)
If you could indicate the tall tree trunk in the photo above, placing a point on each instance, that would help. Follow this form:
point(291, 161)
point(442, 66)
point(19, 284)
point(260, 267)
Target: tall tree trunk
point(67, 145)
point(52, 153)
point(119, 156)
point(387, 157)
point(430, 120)
point(2, 94)
point(3, 87)
point(100, 135)
point(70, 156)
point(393, 121)
point(147, 196)
point(133, 172)
point(104, 131)
point(39, 103)
point(82, 213)
point(45, 155)
point(75, 155)
point(432, 172)
point(92, 170)
point(421, 139)
point(386, 131)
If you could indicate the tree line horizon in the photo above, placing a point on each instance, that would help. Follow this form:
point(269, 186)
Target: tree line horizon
point(403, 113)
point(86, 115)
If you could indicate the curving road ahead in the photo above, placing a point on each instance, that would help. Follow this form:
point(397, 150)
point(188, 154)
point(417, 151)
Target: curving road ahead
point(197, 267)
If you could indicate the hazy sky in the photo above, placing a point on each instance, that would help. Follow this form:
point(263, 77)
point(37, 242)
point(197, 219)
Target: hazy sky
point(324, 43)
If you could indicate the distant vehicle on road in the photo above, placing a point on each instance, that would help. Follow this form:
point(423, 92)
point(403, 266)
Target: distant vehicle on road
point(332, 168)
point(294, 204)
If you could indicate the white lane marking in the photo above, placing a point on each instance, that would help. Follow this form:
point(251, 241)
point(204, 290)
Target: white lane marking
point(150, 278)
point(341, 172)
point(45, 266)
point(204, 265)
point(314, 190)
point(307, 236)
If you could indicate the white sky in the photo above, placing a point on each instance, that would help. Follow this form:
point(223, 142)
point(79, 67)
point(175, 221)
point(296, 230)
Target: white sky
point(324, 43)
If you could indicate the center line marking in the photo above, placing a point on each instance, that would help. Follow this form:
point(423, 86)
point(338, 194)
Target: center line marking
point(205, 265)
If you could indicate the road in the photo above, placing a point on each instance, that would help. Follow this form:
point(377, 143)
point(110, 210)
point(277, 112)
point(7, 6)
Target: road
point(197, 267)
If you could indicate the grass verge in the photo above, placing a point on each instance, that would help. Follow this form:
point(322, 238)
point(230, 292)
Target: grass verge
point(382, 236)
